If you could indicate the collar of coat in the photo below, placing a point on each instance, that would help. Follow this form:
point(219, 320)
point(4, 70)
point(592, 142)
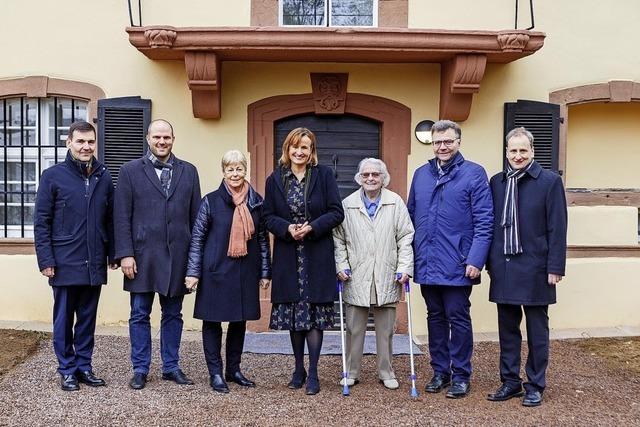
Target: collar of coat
point(253, 198)
point(455, 163)
point(354, 200)
point(176, 173)
point(534, 171)
point(96, 167)
point(313, 179)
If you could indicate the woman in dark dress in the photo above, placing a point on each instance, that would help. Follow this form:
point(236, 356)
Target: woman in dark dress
point(228, 261)
point(302, 206)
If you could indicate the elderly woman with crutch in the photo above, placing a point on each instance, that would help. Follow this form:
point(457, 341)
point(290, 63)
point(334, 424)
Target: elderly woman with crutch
point(374, 258)
point(228, 262)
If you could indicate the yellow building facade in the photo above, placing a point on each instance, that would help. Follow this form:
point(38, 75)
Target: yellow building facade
point(588, 65)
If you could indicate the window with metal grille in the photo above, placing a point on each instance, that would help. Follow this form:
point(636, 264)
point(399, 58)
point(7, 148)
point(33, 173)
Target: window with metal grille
point(33, 132)
point(122, 126)
point(543, 121)
point(332, 13)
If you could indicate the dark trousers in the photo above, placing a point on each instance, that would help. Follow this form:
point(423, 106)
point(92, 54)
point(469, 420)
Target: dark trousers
point(537, 320)
point(140, 331)
point(73, 344)
point(212, 343)
point(449, 328)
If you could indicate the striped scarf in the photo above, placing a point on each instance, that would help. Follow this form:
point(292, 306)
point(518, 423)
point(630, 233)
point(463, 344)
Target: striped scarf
point(509, 223)
point(166, 168)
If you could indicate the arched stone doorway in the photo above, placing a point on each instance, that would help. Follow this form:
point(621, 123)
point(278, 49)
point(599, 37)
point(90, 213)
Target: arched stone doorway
point(395, 147)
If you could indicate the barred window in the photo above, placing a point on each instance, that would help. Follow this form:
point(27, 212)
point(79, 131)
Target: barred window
point(332, 13)
point(33, 132)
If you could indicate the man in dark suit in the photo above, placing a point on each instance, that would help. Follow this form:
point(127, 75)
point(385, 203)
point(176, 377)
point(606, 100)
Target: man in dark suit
point(526, 261)
point(73, 231)
point(156, 203)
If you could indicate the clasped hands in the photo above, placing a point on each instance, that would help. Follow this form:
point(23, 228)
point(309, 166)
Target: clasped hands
point(299, 231)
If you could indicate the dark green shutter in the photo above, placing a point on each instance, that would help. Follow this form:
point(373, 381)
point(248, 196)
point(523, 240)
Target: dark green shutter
point(122, 126)
point(543, 121)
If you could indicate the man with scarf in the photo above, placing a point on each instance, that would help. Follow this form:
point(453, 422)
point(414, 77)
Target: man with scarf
point(156, 203)
point(451, 209)
point(526, 261)
point(73, 238)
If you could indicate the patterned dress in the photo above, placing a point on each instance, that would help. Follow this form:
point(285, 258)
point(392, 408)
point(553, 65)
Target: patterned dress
point(301, 315)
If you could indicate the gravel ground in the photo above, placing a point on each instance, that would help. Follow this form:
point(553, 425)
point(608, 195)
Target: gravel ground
point(582, 390)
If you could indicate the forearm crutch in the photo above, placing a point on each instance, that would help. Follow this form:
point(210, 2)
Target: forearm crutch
point(407, 289)
point(345, 386)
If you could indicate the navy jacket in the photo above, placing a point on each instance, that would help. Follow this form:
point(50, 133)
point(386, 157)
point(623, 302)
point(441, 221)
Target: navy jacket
point(154, 228)
point(228, 290)
point(325, 212)
point(453, 219)
point(73, 229)
point(522, 279)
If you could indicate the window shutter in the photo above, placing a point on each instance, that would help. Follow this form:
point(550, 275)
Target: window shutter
point(543, 121)
point(122, 123)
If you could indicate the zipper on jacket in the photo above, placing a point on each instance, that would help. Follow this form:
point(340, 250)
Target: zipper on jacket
point(86, 196)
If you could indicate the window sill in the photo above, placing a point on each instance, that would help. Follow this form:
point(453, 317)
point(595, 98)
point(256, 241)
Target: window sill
point(17, 247)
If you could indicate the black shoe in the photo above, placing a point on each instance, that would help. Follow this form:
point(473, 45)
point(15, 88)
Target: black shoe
point(458, 390)
point(505, 392)
point(177, 377)
point(297, 380)
point(532, 398)
point(218, 384)
point(239, 379)
point(313, 386)
point(89, 378)
point(69, 383)
point(138, 381)
point(438, 383)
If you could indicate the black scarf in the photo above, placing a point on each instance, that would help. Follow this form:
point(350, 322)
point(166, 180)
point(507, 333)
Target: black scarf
point(509, 223)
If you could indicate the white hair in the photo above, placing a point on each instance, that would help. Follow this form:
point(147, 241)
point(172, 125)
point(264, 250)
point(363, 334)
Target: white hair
point(233, 156)
point(381, 167)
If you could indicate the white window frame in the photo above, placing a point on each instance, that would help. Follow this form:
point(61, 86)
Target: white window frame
point(42, 126)
point(328, 18)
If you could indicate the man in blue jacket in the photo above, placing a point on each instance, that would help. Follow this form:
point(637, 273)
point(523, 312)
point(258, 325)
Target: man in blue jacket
point(452, 212)
point(73, 237)
point(526, 261)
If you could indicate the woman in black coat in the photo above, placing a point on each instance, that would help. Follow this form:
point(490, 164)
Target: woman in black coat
point(302, 206)
point(228, 261)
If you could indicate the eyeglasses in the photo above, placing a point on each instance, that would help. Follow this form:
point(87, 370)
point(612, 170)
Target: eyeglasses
point(366, 175)
point(446, 142)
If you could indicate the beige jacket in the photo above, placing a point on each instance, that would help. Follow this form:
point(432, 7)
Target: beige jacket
point(375, 250)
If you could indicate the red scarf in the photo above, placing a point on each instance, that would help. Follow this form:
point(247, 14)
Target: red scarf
point(242, 226)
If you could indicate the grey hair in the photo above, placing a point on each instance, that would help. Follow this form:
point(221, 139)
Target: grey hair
point(381, 166)
point(443, 125)
point(233, 156)
point(521, 131)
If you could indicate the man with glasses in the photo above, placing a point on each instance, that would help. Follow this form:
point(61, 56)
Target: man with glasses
point(526, 261)
point(452, 212)
point(156, 203)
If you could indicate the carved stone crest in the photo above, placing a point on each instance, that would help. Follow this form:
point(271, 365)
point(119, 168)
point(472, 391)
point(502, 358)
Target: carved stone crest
point(329, 92)
point(512, 41)
point(160, 37)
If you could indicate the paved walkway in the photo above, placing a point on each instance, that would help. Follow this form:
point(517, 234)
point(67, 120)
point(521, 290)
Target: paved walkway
point(582, 390)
